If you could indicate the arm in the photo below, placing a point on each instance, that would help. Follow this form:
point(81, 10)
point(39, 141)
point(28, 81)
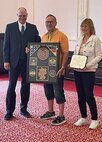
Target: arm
point(38, 38)
point(6, 49)
point(64, 63)
point(64, 52)
point(97, 52)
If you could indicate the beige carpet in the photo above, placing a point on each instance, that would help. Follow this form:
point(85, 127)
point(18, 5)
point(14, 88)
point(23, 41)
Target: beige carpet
point(21, 129)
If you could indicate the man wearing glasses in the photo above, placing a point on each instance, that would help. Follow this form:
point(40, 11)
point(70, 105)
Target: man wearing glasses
point(56, 90)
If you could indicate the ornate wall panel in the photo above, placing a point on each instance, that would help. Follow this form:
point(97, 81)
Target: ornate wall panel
point(82, 13)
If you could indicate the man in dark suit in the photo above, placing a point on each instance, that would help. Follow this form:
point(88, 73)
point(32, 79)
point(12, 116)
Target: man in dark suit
point(17, 36)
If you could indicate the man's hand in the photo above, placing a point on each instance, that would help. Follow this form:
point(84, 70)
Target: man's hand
point(6, 66)
point(68, 66)
point(60, 71)
point(27, 50)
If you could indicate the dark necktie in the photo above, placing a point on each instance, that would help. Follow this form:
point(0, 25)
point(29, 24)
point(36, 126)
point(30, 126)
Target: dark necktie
point(22, 30)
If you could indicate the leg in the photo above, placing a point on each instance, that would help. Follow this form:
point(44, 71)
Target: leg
point(50, 105)
point(89, 78)
point(81, 98)
point(61, 109)
point(60, 99)
point(81, 94)
point(11, 95)
point(25, 87)
point(59, 94)
point(48, 89)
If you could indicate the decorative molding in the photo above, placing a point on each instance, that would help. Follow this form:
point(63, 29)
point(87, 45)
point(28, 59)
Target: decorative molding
point(83, 9)
point(82, 13)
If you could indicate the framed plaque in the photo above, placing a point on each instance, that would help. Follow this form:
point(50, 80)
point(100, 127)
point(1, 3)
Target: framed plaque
point(78, 61)
point(43, 62)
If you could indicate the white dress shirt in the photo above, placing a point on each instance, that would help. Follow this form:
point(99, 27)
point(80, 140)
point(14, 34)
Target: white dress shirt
point(20, 26)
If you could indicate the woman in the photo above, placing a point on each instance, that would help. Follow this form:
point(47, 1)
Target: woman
point(88, 45)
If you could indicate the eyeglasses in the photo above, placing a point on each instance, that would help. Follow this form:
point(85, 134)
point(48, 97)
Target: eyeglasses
point(20, 16)
point(50, 22)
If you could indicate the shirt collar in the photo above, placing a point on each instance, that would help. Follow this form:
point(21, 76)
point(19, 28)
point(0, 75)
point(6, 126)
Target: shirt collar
point(52, 32)
point(89, 40)
point(20, 25)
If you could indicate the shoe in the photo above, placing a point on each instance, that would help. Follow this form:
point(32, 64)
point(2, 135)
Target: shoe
point(94, 124)
point(80, 122)
point(25, 114)
point(48, 115)
point(8, 116)
point(58, 120)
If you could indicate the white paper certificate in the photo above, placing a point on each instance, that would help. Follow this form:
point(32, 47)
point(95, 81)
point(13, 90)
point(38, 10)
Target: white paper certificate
point(78, 61)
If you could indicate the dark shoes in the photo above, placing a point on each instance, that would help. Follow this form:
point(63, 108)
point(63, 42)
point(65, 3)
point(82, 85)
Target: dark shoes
point(8, 116)
point(25, 114)
point(48, 115)
point(58, 120)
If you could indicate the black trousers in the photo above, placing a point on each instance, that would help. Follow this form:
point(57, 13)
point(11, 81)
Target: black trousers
point(85, 85)
point(25, 87)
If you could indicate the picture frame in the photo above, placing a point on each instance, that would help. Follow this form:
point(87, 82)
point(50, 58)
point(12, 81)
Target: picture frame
point(43, 62)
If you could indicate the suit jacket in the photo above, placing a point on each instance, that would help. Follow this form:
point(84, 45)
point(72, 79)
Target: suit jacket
point(13, 41)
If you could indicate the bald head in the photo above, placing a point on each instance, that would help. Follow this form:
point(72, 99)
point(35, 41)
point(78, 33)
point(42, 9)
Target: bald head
point(22, 15)
point(22, 9)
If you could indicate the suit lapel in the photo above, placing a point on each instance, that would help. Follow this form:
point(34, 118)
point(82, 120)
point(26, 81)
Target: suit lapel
point(26, 28)
point(18, 33)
